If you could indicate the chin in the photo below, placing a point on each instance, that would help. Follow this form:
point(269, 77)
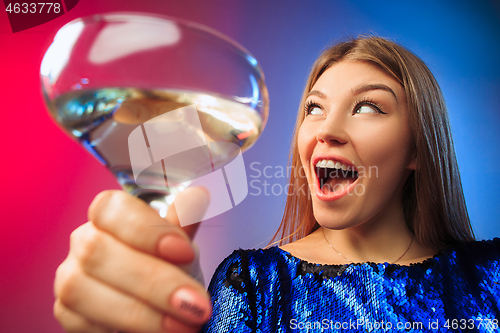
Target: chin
point(334, 221)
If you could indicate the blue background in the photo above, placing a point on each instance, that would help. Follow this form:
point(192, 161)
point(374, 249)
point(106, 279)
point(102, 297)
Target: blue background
point(49, 181)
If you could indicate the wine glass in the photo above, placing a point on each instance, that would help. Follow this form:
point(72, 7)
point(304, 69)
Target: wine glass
point(163, 103)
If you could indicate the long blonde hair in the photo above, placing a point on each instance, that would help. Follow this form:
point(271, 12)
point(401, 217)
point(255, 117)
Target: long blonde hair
point(433, 199)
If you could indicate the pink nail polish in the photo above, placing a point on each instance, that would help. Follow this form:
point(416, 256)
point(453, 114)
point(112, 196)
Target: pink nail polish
point(175, 249)
point(190, 305)
point(207, 192)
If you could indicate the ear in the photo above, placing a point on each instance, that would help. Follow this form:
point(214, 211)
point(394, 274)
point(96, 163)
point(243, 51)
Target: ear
point(413, 164)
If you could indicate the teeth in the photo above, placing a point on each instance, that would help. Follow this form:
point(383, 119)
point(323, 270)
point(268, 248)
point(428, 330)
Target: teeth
point(333, 165)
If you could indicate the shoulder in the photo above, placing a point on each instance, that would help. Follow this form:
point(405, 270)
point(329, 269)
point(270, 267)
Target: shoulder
point(243, 267)
point(483, 250)
point(481, 258)
point(251, 259)
point(241, 285)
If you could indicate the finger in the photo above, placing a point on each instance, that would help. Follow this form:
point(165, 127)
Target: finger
point(135, 223)
point(172, 325)
point(156, 282)
point(72, 322)
point(188, 208)
point(194, 269)
point(106, 306)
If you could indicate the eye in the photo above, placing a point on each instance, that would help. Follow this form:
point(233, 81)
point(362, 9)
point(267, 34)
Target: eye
point(367, 106)
point(313, 109)
point(365, 109)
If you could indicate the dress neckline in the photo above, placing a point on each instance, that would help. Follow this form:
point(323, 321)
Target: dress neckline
point(423, 263)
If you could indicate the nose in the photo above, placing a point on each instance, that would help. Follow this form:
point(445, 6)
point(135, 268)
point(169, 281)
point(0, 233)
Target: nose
point(333, 129)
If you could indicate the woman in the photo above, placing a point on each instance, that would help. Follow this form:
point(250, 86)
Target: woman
point(381, 241)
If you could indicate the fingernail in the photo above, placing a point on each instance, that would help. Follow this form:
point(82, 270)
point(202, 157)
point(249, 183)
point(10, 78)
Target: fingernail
point(190, 305)
point(205, 190)
point(191, 205)
point(176, 249)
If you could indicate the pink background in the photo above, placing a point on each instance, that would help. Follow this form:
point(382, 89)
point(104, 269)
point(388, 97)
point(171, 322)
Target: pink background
point(48, 181)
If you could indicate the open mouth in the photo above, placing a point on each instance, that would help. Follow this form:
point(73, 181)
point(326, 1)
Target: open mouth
point(334, 176)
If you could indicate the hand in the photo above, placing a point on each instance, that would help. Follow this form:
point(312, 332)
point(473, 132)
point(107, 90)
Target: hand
point(124, 270)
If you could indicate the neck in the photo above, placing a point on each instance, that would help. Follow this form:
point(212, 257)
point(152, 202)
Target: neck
point(384, 238)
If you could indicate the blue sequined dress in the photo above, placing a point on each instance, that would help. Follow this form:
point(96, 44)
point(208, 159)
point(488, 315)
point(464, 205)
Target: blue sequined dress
point(272, 291)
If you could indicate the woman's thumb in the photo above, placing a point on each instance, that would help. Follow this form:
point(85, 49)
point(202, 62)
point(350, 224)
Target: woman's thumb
point(188, 209)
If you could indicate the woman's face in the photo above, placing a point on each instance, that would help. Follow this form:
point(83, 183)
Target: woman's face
point(355, 145)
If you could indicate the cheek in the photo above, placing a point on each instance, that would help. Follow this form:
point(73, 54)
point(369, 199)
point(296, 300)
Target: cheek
point(306, 141)
point(386, 149)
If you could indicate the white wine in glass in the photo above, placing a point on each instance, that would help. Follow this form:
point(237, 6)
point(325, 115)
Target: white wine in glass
point(106, 77)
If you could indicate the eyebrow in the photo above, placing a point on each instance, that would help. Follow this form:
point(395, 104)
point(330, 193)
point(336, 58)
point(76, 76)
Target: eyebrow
point(357, 91)
point(369, 87)
point(316, 93)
